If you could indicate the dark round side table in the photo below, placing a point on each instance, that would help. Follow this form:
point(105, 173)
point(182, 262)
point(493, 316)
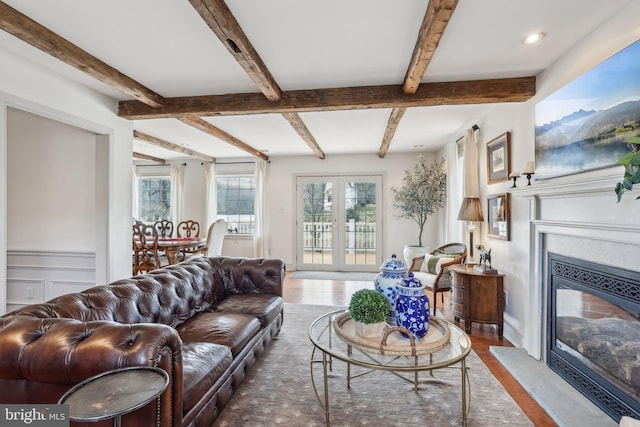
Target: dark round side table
point(114, 393)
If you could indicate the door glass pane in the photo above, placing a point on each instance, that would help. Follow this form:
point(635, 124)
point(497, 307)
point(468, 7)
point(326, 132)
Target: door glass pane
point(360, 223)
point(317, 223)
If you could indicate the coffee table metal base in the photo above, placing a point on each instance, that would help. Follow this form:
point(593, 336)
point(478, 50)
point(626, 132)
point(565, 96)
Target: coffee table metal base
point(375, 363)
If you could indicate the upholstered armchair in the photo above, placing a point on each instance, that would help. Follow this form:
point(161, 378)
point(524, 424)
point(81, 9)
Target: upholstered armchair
point(431, 269)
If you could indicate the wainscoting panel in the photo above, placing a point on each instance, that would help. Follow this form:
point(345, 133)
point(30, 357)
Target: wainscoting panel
point(38, 276)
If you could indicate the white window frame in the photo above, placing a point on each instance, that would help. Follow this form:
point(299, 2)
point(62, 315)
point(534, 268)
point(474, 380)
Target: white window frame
point(231, 223)
point(152, 172)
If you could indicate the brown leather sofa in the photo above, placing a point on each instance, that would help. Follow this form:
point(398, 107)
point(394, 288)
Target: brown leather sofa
point(204, 321)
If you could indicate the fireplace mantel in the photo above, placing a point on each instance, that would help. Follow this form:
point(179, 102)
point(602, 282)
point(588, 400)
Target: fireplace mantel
point(576, 215)
point(586, 184)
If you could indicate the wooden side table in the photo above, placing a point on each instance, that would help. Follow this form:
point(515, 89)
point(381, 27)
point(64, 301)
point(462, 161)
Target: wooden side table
point(477, 297)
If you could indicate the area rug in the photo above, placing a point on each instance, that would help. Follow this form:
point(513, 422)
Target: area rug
point(567, 406)
point(334, 275)
point(278, 390)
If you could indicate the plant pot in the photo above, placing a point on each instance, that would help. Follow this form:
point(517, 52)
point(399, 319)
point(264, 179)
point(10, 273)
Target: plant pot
point(413, 251)
point(369, 330)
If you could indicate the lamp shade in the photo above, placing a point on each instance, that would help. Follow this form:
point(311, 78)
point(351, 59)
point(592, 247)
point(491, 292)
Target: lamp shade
point(471, 210)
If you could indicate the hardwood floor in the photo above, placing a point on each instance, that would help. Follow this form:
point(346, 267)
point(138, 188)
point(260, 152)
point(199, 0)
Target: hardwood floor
point(338, 293)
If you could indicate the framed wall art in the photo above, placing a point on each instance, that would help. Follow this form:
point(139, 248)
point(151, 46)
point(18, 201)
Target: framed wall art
point(499, 216)
point(498, 158)
point(586, 124)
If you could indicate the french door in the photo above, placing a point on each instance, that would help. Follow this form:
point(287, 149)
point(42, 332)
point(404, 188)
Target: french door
point(338, 223)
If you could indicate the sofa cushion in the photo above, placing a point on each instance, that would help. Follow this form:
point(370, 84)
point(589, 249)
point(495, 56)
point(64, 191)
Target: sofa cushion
point(233, 330)
point(427, 279)
point(265, 307)
point(433, 263)
point(202, 365)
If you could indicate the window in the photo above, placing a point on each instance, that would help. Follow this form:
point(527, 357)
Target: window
point(154, 198)
point(236, 196)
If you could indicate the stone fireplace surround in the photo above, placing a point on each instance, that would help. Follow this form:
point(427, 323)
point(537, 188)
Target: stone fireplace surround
point(578, 217)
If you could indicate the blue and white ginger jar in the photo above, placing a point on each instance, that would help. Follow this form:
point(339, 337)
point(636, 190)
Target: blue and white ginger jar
point(393, 272)
point(412, 308)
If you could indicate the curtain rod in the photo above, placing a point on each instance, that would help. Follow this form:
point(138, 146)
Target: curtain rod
point(237, 163)
point(234, 163)
point(202, 163)
point(474, 128)
point(162, 164)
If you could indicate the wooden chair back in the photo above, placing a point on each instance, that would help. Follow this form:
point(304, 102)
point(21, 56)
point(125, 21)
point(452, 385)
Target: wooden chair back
point(188, 228)
point(164, 228)
point(145, 248)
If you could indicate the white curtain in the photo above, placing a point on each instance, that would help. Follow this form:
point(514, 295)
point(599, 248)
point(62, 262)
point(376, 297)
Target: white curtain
point(177, 189)
point(134, 194)
point(211, 203)
point(471, 173)
point(453, 227)
point(261, 236)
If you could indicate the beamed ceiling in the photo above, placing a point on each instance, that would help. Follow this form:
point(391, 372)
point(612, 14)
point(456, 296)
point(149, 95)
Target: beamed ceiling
point(211, 79)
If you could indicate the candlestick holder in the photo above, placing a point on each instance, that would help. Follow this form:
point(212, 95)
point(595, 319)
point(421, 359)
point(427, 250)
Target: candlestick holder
point(529, 177)
point(514, 177)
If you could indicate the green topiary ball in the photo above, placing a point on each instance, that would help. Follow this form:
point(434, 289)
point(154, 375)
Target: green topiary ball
point(368, 306)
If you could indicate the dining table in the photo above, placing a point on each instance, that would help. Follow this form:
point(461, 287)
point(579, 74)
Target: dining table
point(173, 245)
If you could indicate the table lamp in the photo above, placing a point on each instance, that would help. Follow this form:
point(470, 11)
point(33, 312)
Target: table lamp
point(471, 211)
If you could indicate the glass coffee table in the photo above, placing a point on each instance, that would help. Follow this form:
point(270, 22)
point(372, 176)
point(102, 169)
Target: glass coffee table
point(445, 346)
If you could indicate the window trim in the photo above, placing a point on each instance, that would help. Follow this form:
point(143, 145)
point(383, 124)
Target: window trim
point(139, 178)
point(225, 216)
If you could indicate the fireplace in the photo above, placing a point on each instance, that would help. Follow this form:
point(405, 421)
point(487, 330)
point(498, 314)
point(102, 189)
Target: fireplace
point(593, 331)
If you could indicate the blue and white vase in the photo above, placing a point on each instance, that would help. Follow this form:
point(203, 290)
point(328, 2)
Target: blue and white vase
point(412, 308)
point(393, 272)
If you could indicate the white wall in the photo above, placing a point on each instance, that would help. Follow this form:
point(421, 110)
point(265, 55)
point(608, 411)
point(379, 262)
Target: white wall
point(194, 196)
point(28, 87)
point(397, 232)
point(281, 177)
point(513, 257)
point(51, 185)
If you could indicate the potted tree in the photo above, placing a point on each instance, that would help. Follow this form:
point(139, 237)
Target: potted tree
point(422, 193)
point(369, 309)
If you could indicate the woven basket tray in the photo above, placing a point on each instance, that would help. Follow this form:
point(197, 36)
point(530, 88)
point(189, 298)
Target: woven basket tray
point(392, 343)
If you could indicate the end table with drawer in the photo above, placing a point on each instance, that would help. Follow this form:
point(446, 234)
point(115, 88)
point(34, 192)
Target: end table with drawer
point(477, 297)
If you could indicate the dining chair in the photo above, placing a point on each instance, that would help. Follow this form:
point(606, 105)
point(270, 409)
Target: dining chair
point(164, 227)
point(431, 269)
point(215, 239)
point(145, 248)
point(188, 228)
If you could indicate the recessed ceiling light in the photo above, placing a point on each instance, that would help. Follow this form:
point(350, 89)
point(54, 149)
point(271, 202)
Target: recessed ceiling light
point(533, 38)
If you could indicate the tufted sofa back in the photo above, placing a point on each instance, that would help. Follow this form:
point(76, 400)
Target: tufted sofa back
point(167, 296)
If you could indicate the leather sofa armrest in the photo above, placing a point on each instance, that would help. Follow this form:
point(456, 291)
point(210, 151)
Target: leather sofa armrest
point(67, 351)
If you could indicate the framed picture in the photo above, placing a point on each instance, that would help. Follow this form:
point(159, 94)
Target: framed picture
point(499, 216)
point(587, 124)
point(498, 159)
